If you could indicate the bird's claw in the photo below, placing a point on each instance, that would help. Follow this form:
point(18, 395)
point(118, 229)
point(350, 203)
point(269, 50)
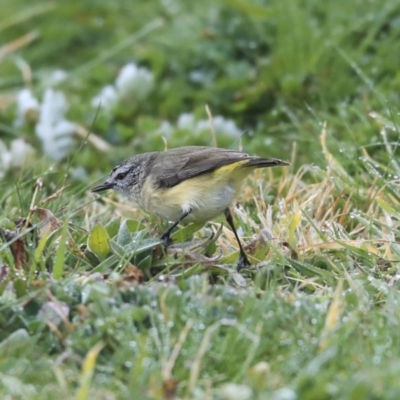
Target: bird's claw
point(166, 240)
point(243, 262)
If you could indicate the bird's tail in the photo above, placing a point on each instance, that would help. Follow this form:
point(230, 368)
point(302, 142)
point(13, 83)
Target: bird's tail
point(266, 162)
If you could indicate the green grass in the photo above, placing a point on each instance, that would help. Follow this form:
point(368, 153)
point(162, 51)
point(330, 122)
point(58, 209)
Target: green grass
point(91, 306)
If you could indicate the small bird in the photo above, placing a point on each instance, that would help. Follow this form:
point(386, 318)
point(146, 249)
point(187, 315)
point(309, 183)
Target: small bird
point(191, 183)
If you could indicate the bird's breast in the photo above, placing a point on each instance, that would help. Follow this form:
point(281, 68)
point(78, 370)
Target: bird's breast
point(204, 197)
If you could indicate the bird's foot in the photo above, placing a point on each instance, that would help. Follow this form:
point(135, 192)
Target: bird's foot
point(166, 240)
point(243, 262)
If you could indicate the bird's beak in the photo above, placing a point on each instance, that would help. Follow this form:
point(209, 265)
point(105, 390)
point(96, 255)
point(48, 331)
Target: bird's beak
point(103, 186)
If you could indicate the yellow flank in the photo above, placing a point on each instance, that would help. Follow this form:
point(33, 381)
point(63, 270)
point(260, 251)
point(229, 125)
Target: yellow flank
point(207, 195)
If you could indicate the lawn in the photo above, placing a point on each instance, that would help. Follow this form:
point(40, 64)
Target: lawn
point(93, 307)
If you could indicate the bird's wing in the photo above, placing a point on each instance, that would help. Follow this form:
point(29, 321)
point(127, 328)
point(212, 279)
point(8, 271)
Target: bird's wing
point(174, 166)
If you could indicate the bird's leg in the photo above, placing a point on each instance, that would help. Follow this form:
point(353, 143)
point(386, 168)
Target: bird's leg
point(243, 260)
point(166, 236)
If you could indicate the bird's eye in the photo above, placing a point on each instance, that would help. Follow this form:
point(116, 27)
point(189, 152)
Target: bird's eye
point(121, 176)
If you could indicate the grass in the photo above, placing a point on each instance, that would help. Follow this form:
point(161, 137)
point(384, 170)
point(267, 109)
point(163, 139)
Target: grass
point(91, 306)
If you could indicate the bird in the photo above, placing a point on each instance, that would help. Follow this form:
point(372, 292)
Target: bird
point(190, 184)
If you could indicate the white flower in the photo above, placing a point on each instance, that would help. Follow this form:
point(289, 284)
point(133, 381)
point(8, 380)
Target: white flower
point(53, 78)
point(127, 74)
point(220, 124)
point(15, 156)
point(54, 107)
point(20, 151)
point(134, 80)
point(202, 126)
point(186, 121)
point(56, 138)
point(165, 129)
point(26, 103)
point(5, 159)
point(53, 129)
point(226, 126)
point(131, 81)
point(107, 99)
point(235, 391)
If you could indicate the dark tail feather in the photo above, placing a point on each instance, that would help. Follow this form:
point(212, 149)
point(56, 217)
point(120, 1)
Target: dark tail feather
point(266, 162)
